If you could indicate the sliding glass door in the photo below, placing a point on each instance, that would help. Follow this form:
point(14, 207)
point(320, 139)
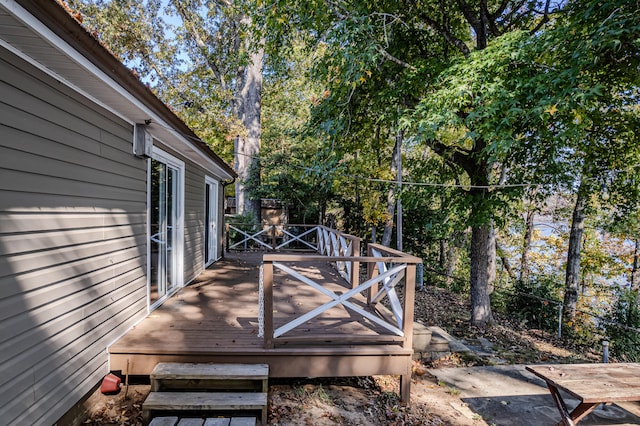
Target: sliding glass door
point(165, 226)
point(211, 221)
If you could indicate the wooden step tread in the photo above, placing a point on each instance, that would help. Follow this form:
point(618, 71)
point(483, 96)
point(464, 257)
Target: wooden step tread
point(234, 421)
point(183, 401)
point(191, 422)
point(175, 421)
point(170, 370)
point(164, 421)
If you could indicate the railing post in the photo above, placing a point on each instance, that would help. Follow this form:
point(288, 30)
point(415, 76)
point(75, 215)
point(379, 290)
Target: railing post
point(372, 271)
point(268, 304)
point(355, 265)
point(319, 238)
point(273, 237)
point(227, 237)
point(409, 305)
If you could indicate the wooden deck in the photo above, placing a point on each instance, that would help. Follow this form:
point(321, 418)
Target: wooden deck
point(215, 319)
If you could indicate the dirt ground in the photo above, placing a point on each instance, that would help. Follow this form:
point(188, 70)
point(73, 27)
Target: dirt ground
point(374, 400)
point(349, 401)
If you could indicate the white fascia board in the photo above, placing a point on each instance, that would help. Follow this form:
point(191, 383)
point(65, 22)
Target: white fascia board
point(59, 44)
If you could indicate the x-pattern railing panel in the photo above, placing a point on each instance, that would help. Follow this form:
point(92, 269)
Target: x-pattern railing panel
point(296, 238)
point(337, 299)
point(334, 244)
point(389, 270)
point(389, 288)
point(343, 248)
point(265, 237)
point(250, 237)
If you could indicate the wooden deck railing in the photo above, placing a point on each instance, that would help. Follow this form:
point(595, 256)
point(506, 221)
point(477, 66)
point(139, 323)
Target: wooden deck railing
point(336, 244)
point(245, 237)
point(386, 269)
point(315, 238)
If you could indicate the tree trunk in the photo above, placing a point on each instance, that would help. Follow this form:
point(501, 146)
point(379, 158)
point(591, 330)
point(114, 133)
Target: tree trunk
point(526, 246)
point(635, 272)
point(391, 201)
point(572, 276)
point(248, 146)
point(482, 243)
point(399, 236)
point(388, 225)
point(483, 246)
point(451, 257)
point(505, 260)
point(482, 255)
point(491, 267)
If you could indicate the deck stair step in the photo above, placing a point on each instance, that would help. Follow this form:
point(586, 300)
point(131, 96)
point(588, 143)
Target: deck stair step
point(214, 421)
point(204, 401)
point(188, 376)
point(206, 388)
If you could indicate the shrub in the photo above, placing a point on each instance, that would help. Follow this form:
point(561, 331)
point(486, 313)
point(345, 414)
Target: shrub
point(624, 326)
point(534, 303)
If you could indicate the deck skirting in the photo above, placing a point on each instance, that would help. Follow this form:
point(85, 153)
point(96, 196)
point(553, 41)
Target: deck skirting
point(307, 363)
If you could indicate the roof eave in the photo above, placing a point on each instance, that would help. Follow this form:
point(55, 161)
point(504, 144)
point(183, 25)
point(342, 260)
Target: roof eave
point(57, 19)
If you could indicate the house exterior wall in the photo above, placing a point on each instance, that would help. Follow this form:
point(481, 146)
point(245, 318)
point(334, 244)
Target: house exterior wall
point(73, 241)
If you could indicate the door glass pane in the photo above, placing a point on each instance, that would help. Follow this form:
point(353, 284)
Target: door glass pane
point(163, 229)
point(172, 217)
point(207, 220)
point(157, 224)
point(211, 217)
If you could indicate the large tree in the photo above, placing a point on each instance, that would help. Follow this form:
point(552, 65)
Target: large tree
point(205, 59)
point(504, 93)
point(562, 95)
point(401, 44)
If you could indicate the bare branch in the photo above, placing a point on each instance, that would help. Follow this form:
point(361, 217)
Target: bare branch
point(392, 58)
point(443, 29)
point(447, 34)
point(500, 10)
point(545, 18)
point(395, 18)
point(190, 25)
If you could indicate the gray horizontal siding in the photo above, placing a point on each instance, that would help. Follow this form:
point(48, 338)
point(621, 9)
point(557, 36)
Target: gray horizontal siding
point(72, 242)
point(194, 200)
point(77, 297)
point(36, 198)
point(60, 373)
point(24, 284)
point(33, 260)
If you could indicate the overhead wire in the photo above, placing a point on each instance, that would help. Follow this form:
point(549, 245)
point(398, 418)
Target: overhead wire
point(390, 181)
